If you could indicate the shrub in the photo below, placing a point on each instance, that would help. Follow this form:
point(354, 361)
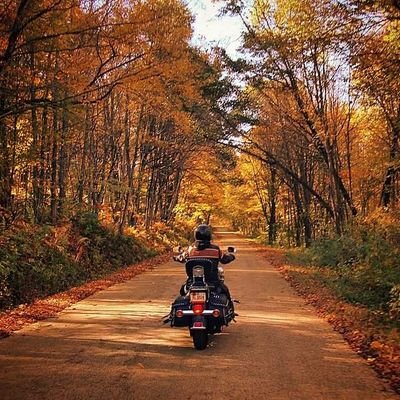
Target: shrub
point(33, 267)
point(366, 261)
point(104, 249)
point(39, 261)
point(333, 252)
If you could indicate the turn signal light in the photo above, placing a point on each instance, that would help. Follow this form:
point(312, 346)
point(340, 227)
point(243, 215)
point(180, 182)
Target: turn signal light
point(179, 314)
point(216, 313)
point(198, 309)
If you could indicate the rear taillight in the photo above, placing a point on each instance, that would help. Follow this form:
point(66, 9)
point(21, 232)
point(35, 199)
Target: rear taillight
point(198, 309)
point(179, 314)
point(216, 313)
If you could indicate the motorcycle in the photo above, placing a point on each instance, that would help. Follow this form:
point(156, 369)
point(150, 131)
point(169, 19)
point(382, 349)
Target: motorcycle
point(204, 308)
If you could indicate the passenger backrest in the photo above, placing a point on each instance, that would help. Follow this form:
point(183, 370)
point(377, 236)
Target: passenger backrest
point(210, 270)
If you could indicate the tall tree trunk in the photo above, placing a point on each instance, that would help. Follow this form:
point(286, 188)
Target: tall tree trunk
point(62, 161)
point(34, 146)
point(5, 167)
point(54, 173)
point(85, 150)
point(299, 214)
point(388, 194)
point(129, 169)
point(272, 193)
point(150, 201)
point(44, 151)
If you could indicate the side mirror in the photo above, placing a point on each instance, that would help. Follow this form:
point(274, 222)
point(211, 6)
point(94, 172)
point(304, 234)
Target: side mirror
point(177, 254)
point(177, 250)
point(231, 249)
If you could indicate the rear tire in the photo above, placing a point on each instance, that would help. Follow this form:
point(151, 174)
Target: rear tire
point(200, 339)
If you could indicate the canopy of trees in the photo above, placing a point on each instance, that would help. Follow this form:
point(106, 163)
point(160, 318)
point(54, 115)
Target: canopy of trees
point(107, 106)
point(102, 106)
point(323, 97)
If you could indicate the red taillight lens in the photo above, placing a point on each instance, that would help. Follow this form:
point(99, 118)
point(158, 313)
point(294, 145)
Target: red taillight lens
point(216, 313)
point(198, 309)
point(179, 314)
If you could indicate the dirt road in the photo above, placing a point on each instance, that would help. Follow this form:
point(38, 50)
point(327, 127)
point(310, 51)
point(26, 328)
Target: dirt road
point(113, 346)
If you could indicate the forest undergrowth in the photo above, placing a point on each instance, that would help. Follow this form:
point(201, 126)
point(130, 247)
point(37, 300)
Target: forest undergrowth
point(39, 261)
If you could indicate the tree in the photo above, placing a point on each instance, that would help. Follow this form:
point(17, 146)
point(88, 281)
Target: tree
point(376, 52)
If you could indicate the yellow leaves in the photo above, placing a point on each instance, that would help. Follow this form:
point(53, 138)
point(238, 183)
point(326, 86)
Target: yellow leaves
point(387, 349)
point(392, 34)
point(240, 195)
point(260, 9)
point(167, 23)
point(202, 193)
point(290, 26)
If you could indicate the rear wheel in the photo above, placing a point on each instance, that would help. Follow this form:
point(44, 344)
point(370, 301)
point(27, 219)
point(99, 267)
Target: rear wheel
point(200, 339)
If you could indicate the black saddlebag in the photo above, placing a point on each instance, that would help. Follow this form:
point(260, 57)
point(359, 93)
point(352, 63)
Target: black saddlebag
point(220, 302)
point(180, 303)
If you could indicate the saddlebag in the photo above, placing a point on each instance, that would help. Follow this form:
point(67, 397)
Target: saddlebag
point(220, 302)
point(180, 303)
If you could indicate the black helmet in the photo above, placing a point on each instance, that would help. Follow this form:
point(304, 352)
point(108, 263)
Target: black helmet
point(203, 232)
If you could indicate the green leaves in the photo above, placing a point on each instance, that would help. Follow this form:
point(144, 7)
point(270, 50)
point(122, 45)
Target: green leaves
point(365, 264)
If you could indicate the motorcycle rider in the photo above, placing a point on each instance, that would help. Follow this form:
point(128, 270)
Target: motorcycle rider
point(203, 248)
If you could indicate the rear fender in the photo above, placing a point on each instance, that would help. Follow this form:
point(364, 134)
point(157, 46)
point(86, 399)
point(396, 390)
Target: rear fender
point(198, 323)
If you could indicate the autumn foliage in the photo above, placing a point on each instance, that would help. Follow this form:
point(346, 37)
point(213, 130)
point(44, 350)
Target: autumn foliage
point(100, 108)
point(321, 107)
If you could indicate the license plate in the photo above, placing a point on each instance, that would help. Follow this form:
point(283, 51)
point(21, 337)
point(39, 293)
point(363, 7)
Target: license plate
point(198, 297)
